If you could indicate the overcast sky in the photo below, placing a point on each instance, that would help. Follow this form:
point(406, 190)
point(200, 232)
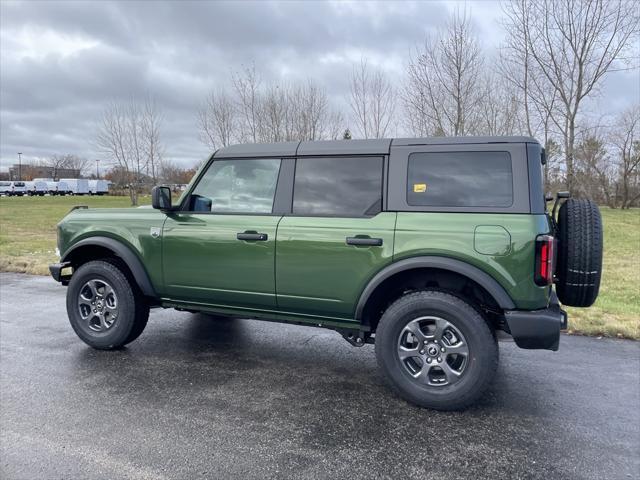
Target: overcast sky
point(61, 62)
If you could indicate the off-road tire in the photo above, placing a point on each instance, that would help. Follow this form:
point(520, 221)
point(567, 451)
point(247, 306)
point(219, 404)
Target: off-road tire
point(482, 345)
point(579, 265)
point(142, 307)
point(133, 311)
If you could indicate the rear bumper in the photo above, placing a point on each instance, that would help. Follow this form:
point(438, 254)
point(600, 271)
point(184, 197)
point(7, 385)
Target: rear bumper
point(538, 329)
point(56, 272)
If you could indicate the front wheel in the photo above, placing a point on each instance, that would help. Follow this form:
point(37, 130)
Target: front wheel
point(103, 307)
point(436, 350)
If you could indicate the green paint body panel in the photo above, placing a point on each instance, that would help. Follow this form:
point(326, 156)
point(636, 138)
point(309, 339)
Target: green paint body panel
point(130, 226)
point(203, 260)
point(454, 235)
point(318, 273)
point(305, 272)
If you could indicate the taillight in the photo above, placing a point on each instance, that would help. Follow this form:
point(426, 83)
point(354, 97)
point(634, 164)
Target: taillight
point(545, 253)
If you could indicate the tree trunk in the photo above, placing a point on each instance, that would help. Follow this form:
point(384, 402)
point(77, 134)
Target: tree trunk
point(569, 147)
point(133, 195)
point(625, 191)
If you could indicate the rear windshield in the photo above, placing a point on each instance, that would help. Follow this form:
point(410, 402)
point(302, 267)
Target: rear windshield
point(460, 179)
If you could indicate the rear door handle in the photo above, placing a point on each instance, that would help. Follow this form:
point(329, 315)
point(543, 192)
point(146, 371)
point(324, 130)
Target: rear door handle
point(374, 242)
point(252, 236)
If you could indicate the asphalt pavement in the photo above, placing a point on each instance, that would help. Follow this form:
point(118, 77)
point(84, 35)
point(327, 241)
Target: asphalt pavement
point(200, 397)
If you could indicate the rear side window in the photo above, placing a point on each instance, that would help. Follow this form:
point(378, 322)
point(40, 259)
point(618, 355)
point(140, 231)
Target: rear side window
point(338, 186)
point(460, 179)
point(237, 186)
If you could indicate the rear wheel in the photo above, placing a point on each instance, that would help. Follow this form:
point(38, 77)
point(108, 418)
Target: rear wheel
point(102, 306)
point(436, 350)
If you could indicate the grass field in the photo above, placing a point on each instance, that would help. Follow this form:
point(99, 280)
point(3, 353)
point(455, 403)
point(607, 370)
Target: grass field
point(28, 228)
point(28, 242)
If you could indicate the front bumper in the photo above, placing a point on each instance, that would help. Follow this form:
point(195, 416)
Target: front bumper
point(56, 272)
point(538, 329)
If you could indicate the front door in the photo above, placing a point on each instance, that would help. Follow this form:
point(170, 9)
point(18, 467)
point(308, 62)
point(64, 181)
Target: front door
point(220, 249)
point(336, 238)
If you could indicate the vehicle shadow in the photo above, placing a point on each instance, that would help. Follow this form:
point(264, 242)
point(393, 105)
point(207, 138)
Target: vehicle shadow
point(273, 360)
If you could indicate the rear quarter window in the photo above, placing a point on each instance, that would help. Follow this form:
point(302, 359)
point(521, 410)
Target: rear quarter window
point(460, 179)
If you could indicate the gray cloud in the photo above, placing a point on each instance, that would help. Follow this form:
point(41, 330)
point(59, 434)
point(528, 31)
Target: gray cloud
point(61, 62)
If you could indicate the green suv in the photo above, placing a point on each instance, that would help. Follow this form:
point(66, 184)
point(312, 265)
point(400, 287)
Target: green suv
point(424, 246)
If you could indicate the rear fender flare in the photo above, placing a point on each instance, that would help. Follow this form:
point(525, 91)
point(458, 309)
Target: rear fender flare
point(496, 290)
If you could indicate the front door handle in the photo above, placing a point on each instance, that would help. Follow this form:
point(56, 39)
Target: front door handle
point(252, 236)
point(367, 241)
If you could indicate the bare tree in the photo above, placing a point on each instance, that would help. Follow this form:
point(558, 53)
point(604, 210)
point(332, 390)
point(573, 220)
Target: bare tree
point(76, 162)
point(129, 136)
point(247, 85)
point(115, 140)
point(553, 170)
point(626, 141)
point(515, 64)
point(56, 162)
point(372, 100)
point(218, 121)
point(335, 124)
point(500, 108)
point(593, 168)
point(172, 173)
point(276, 112)
point(313, 108)
point(151, 123)
point(571, 44)
point(443, 91)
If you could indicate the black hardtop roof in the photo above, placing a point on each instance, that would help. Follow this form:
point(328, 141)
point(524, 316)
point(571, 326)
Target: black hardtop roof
point(379, 146)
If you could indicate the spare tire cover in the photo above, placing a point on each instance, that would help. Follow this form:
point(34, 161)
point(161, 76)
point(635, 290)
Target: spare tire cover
point(579, 265)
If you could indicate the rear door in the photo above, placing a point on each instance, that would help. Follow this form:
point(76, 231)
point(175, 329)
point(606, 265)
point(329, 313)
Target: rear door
point(336, 238)
point(220, 249)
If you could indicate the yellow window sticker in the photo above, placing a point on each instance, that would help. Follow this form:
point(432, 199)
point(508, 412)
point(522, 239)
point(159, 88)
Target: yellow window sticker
point(419, 187)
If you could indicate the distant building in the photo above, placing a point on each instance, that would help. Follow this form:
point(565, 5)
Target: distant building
point(28, 172)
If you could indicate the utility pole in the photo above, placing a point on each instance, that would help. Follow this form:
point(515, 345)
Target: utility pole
point(19, 166)
point(97, 171)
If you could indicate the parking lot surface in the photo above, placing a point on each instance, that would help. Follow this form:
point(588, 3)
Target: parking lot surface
point(198, 397)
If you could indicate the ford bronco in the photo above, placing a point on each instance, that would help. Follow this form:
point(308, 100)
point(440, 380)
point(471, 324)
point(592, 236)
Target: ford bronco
point(426, 247)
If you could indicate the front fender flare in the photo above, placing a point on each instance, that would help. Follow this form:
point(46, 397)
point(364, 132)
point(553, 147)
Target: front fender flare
point(125, 253)
point(442, 263)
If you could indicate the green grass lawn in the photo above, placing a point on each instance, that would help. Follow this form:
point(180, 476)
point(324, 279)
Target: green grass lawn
point(617, 309)
point(28, 228)
point(28, 242)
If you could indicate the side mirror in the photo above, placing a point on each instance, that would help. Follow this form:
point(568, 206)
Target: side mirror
point(161, 198)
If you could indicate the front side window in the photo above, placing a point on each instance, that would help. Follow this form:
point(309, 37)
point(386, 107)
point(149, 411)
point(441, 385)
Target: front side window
point(338, 186)
point(460, 179)
point(237, 186)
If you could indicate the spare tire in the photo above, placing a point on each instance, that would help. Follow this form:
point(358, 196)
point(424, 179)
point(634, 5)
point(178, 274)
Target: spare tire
point(579, 266)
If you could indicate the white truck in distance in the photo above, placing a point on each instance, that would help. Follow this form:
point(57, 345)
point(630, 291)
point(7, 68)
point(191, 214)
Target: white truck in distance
point(36, 187)
point(98, 187)
point(11, 189)
point(76, 186)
